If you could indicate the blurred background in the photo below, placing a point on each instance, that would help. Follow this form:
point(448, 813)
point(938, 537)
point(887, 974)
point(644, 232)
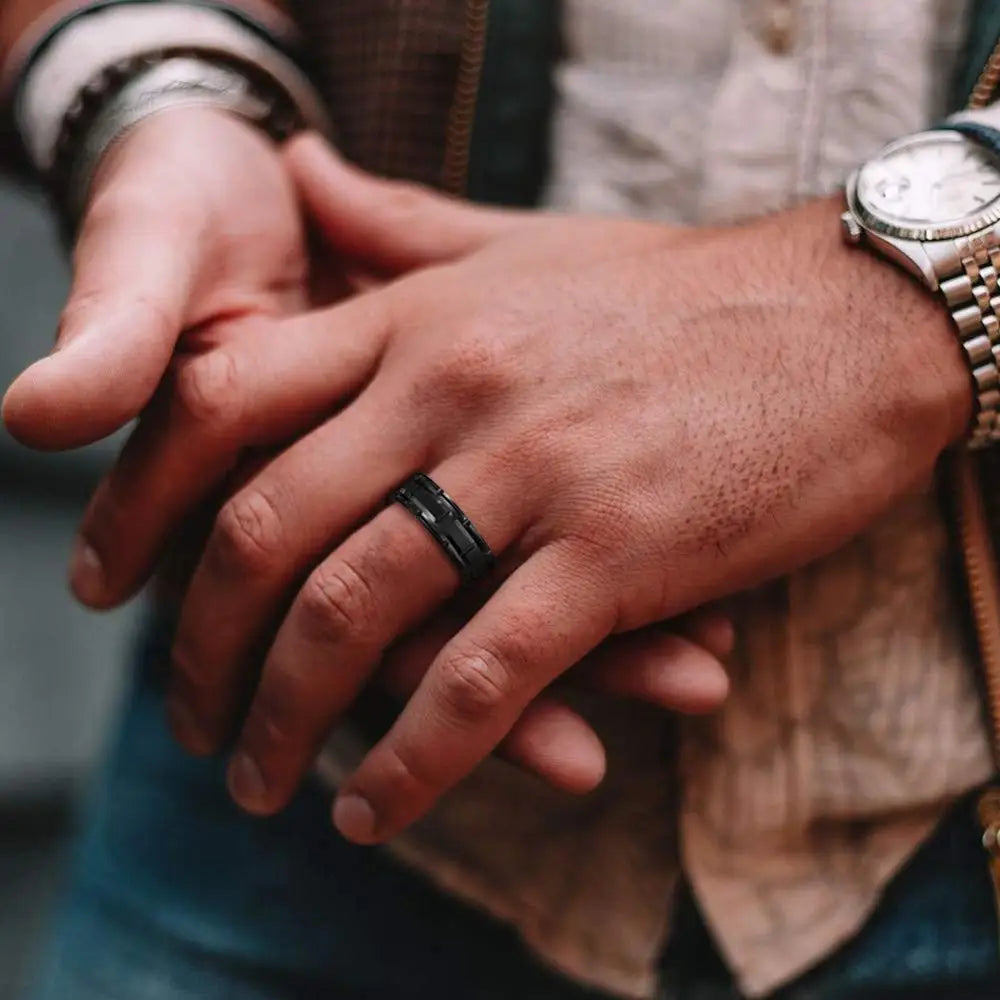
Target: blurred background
point(60, 667)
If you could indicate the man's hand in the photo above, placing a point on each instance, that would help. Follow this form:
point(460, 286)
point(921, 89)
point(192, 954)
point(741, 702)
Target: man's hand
point(638, 419)
point(192, 224)
point(193, 237)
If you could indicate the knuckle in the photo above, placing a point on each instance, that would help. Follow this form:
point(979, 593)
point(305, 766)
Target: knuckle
point(337, 602)
point(147, 315)
point(206, 388)
point(471, 377)
point(188, 674)
point(247, 536)
point(474, 684)
point(474, 363)
point(596, 543)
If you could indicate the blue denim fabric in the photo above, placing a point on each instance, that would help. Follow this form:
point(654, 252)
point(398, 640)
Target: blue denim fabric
point(176, 894)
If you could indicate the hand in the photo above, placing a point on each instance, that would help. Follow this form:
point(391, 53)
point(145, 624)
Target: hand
point(638, 419)
point(193, 236)
point(192, 224)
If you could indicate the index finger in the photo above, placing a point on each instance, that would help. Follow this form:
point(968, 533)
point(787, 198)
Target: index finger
point(545, 618)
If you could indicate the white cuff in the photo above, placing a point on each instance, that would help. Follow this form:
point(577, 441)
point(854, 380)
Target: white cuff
point(90, 44)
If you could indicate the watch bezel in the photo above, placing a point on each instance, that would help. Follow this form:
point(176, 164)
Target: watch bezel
point(966, 225)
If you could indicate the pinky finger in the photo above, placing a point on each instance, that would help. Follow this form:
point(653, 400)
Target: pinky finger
point(541, 621)
point(549, 740)
point(557, 744)
point(711, 629)
point(659, 668)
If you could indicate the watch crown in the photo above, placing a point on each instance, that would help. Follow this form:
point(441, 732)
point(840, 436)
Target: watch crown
point(850, 228)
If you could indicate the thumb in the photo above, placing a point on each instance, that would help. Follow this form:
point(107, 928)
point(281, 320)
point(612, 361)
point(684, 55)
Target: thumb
point(392, 226)
point(134, 268)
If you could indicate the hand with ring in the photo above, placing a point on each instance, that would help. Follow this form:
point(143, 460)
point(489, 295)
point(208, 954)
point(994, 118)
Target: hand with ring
point(181, 254)
point(631, 436)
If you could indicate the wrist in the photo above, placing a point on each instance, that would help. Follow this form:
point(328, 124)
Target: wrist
point(212, 127)
point(154, 88)
point(906, 337)
point(78, 64)
point(933, 379)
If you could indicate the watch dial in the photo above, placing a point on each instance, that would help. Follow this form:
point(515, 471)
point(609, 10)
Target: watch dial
point(930, 182)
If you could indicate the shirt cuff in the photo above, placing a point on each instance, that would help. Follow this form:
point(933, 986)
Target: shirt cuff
point(90, 44)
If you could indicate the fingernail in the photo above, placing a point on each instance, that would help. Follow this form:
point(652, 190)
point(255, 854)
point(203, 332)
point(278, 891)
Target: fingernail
point(86, 573)
point(186, 728)
point(246, 783)
point(354, 817)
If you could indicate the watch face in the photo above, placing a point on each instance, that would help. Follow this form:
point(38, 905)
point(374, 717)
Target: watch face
point(931, 186)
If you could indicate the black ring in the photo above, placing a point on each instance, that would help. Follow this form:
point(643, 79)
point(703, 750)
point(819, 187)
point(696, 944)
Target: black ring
point(447, 525)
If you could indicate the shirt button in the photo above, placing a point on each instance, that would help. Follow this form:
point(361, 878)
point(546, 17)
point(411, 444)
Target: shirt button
point(779, 26)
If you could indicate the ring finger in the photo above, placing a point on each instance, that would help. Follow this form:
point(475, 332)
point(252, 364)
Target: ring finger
point(265, 539)
point(383, 580)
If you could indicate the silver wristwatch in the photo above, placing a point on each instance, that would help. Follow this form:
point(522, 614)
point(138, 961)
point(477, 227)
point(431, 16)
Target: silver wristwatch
point(931, 203)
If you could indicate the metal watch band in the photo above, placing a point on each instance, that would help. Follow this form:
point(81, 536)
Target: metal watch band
point(970, 287)
point(968, 280)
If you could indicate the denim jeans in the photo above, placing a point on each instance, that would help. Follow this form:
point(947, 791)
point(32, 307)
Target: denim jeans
point(177, 894)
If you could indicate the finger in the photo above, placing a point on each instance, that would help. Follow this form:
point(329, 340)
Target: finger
point(710, 629)
point(392, 225)
point(181, 555)
point(544, 619)
point(383, 580)
point(678, 670)
point(549, 740)
point(659, 668)
point(558, 745)
point(652, 665)
point(252, 385)
point(134, 271)
point(266, 537)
